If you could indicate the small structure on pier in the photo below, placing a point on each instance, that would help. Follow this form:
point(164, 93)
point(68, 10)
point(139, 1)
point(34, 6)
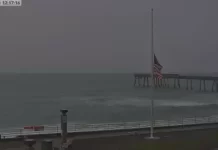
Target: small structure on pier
point(174, 81)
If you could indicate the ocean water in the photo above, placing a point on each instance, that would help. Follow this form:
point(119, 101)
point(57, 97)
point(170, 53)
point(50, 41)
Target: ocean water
point(35, 99)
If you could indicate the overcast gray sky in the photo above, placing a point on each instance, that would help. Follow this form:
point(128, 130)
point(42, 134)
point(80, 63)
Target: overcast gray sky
point(109, 35)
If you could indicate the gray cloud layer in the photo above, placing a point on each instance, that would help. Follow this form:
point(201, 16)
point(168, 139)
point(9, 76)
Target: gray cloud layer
point(109, 35)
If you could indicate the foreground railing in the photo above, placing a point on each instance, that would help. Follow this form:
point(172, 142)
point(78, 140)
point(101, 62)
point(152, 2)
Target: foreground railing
point(15, 132)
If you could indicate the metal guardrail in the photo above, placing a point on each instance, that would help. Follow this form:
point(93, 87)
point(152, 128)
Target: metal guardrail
point(15, 132)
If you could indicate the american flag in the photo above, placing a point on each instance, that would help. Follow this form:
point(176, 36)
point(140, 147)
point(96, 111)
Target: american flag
point(157, 68)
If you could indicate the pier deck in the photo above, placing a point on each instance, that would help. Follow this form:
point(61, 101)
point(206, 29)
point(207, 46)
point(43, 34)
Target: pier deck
point(205, 83)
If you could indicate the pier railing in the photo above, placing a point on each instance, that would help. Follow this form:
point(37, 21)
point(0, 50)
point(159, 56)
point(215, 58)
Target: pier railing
point(16, 132)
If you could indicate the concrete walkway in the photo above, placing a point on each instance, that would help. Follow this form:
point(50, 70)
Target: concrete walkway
point(19, 145)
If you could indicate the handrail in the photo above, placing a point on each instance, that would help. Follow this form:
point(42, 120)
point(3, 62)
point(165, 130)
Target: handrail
point(53, 129)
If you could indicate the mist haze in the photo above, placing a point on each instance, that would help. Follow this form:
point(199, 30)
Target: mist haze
point(109, 36)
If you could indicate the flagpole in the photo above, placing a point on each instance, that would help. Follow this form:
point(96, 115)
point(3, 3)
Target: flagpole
point(152, 75)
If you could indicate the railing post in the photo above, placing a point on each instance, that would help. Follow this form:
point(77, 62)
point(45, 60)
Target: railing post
point(92, 127)
point(57, 129)
point(74, 127)
point(182, 122)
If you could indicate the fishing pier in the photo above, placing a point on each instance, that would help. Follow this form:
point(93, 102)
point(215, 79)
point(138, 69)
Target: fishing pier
point(190, 82)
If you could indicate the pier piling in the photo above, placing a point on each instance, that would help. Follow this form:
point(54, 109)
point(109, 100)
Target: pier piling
point(200, 85)
point(173, 80)
point(144, 81)
point(178, 82)
point(175, 83)
point(187, 84)
point(147, 81)
point(204, 86)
